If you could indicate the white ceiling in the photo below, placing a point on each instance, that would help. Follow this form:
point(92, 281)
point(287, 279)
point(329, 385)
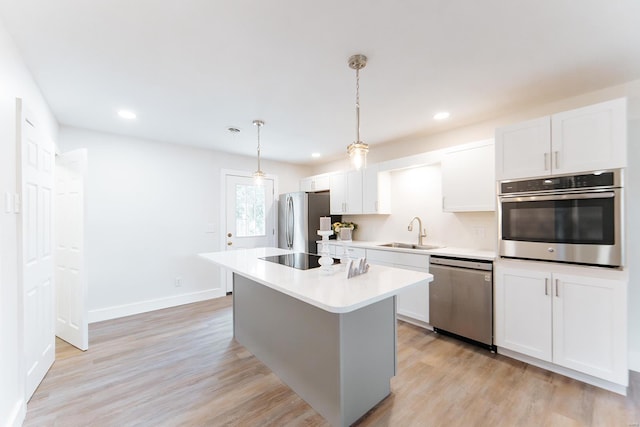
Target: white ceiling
point(193, 68)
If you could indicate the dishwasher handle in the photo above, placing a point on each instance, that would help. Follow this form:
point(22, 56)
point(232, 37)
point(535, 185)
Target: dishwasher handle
point(472, 264)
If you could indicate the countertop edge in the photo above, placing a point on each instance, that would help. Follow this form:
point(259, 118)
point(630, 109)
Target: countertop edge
point(329, 308)
point(457, 252)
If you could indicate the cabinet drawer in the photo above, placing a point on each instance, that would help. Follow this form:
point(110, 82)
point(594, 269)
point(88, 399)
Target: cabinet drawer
point(399, 259)
point(338, 250)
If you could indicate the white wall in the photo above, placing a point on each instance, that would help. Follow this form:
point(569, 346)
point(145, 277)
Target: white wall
point(151, 208)
point(15, 81)
point(420, 143)
point(418, 192)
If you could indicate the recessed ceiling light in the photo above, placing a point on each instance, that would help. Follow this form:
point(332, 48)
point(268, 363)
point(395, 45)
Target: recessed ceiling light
point(126, 114)
point(315, 155)
point(442, 115)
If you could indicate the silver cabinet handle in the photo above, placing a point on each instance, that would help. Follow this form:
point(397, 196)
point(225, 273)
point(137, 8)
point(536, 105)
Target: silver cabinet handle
point(557, 286)
point(546, 161)
point(546, 286)
point(556, 154)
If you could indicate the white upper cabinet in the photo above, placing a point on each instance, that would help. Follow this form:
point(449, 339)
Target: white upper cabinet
point(376, 191)
point(338, 193)
point(522, 150)
point(360, 192)
point(315, 183)
point(590, 138)
point(580, 140)
point(346, 193)
point(468, 178)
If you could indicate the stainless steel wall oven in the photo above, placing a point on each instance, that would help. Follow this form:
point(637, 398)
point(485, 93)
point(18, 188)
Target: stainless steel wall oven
point(571, 218)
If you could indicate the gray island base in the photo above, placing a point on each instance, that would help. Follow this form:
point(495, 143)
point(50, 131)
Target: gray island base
point(339, 363)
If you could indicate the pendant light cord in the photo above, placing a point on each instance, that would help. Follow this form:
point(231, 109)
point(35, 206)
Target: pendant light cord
point(358, 104)
point(259, 126)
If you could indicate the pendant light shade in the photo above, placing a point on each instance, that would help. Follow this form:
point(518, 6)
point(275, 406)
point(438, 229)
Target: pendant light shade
point(258, 175)
point(358, 150)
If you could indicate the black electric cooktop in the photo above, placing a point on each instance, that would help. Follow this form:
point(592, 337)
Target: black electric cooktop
point(299, 260)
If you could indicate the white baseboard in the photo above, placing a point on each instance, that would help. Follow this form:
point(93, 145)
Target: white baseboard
point(17, 415)
point(634, 361)
point(115, 312)
point(607, 385)
point(413, 321)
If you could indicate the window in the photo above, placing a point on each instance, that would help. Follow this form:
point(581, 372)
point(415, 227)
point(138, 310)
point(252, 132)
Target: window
point(250, 210)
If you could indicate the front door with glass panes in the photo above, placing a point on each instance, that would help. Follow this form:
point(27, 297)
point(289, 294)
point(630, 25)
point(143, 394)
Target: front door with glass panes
point(250, 215)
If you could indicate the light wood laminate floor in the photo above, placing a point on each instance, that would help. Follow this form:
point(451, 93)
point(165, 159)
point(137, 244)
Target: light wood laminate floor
point(181, 367)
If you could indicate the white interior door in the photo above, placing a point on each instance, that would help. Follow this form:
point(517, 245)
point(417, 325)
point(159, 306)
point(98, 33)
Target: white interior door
point(71, 274)
point(36, 248)
point(250, 215)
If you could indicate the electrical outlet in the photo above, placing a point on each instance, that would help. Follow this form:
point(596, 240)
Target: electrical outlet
point(479, 232)
point(178, 282)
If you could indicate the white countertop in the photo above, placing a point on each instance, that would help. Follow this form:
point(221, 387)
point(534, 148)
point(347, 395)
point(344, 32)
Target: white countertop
point(332, 292)
point(444, 251)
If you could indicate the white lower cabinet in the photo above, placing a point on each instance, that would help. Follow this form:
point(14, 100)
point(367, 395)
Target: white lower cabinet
point(337, 249)
point(412, 303)
point(342, 250)
point(572, 317)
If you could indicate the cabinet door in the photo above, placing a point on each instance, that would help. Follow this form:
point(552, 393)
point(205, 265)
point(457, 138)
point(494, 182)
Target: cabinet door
point(523, 149)
point(523, 311)
point(468, 179)
point(338, 194)
point(412, 302)
point(590, 138)
point(321, 182)
point(306, 184)
point(343, 252)
point(376, 191)
point(354, 193)
point(590, 327)
point(316, 183)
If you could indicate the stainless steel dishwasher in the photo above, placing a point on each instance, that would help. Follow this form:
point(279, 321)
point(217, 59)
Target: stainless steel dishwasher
point(461, 298)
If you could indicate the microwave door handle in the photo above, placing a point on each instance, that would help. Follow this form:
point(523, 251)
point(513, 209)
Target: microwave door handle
point(569, 196)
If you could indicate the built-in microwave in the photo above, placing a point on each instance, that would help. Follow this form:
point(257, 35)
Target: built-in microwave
point(570, 218)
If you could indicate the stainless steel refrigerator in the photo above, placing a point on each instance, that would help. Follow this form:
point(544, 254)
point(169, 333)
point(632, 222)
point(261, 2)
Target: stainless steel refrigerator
point(299, 220)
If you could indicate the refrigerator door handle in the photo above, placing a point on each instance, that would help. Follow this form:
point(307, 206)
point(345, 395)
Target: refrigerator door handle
point(290, 222)
point(286, 223)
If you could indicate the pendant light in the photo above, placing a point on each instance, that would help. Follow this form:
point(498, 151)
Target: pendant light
point(258, 175)
point(358, 150)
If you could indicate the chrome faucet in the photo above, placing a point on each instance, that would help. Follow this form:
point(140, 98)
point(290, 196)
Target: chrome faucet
point(421, 231)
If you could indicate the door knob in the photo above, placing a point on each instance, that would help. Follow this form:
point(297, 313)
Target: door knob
point(229, 234)
point(229, 243)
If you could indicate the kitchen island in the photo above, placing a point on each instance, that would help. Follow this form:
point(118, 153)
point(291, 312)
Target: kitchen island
point(329, 338)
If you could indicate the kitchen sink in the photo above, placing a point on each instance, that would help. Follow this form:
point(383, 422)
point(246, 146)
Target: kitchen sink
point(409, 246)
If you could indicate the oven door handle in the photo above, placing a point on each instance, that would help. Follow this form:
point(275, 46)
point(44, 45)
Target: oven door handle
point(566, 196)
